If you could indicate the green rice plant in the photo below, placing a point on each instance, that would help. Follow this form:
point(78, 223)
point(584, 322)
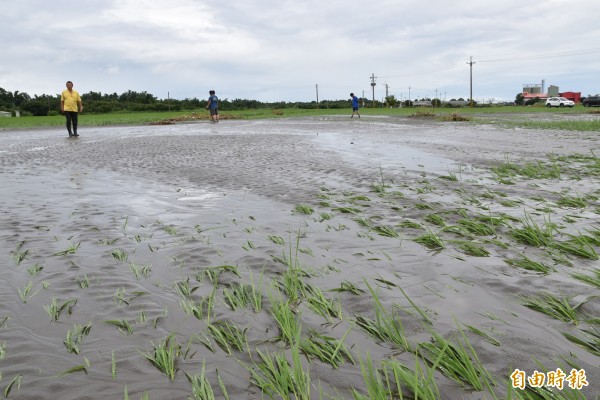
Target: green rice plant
point(164, 356)
point(346, 286)
point(431, 240)
point(323, 306)
point(348, 210)
point(364, 222)
point(424, 206)
point(119, 297)
point(450, 177)
point(458, 362)
point(54, 310)
point(477, 227)
point(77, 368)
point(4, 320)
point(533, 234)
point(140, 270)
point(360, 198)
point(420, 382)
point(201, 387)
point(484, 335)
point(376, 388)
point(386, 231)
point(26, 294)
point(200, 310)
point(590, 341)
point(184, 288)
point(19, 256)
point(325, 216)
point(15, 382)
point(277, 378)
point(248, 246)
point(326, 348)
point(571, 202)
point(276, 239)
point(84, 282)
point(386, 327)
point(380, 186)
point(171, 230)
point(35, 269)
point(472, 249)
point(435, 219)
point(119, 254)
point(241, 296)
point(303, 209)
point(228, 336)
point(555, 307)
point(578, 246)
point(113, 365)
point(2, 350)
point(593, 279)
point(72, 249)
point(289, 325)
point(410, 224)
point(75, 336)
point(530, 265)
point(123, 325)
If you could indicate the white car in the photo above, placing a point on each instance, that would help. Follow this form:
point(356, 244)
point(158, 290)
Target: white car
point(559, 102)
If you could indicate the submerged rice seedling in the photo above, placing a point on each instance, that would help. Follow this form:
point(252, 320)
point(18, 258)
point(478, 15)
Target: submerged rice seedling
point(386, 231)
point(139, 270)
point(123, 325)
point(75, 336)
point(276, 377)
point(590, 341)
point(69, 250)
point(386, 327)
point(119, 254)
point(555, 307)
point(35, 269)
point(420, 382)
point(431, 240)
point(435, 219)
point(164, 356)
point(25, 293)
point(571, 202)
point(593, 279)
point(16, 381)
point(184, 288)
point(529, 265)
point(228, 336)
point(239, 295)
point(323, 306)
point(20, 256)
point(533, 234)
point(410, 224)
point(276, 239)
point(346, 286)
point(54, 310)
point(457, 361)
point(303, 209)
point(347, 210)
point(201, 309)
point(578, 246)
point(289, 325)
point(478, 227)
point(473, 249)
point(376, 388)
point(201, 387)
point(326, 348)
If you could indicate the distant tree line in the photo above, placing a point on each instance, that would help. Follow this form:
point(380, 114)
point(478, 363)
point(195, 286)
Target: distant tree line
point(131, 101)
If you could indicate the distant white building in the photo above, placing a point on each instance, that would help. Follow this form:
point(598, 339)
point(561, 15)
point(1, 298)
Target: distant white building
point(5, 114)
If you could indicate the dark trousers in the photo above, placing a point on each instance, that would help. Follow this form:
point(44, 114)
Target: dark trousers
point(71, 121)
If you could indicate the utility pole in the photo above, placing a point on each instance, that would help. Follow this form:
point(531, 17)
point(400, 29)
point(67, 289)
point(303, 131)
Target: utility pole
point(373, 88)
point(471, 81)
point(409, 103)
point(317, 87)
point(386, 94)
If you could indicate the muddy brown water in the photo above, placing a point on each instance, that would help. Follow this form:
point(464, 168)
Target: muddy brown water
point(180, 199)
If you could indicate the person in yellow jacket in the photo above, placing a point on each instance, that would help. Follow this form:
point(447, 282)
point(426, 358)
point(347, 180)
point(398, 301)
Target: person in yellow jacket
point(70, 105)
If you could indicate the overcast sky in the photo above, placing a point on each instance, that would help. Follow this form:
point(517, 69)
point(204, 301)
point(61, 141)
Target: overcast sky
point(272, 50)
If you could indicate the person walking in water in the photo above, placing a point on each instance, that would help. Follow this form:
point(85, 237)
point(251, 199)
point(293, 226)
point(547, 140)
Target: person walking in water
point(70, 105)
point(213, 106)
point(354, 105)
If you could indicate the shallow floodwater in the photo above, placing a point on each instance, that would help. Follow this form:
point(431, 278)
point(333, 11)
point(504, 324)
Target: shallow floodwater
point(116, 224)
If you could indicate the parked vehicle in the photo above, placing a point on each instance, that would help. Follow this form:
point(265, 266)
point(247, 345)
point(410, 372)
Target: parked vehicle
point(591, 101)
point(559, 102)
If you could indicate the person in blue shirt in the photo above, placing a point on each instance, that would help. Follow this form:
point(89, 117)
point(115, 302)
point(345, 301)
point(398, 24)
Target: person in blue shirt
point(213, 106)
point(354, 105)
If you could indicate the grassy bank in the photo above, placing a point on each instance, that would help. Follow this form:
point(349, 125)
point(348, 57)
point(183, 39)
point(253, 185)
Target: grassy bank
point(511, 116)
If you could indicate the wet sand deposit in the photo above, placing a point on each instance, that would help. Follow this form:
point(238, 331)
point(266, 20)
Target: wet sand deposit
point(131, 238)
